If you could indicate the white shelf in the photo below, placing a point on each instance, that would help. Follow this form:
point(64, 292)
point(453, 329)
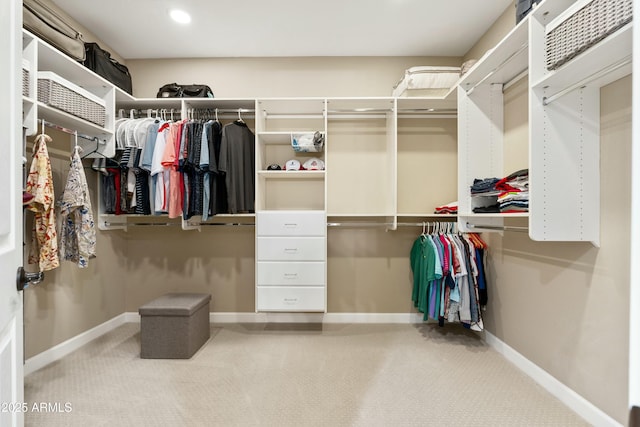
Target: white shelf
point(280, 138)
point(426, 215)
point(288, 106)
point(495, 215)
point(292, 174)
point(355, 105)
point(613, 49)
point(51, 59)
point(335, 215)
point(70, 121)
point(504, 62)
point(448, 104)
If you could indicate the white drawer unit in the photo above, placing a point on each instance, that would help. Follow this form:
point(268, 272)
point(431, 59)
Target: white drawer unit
point(290, 273)
point(291, 249)
point(291, 223)
point(291, 255)
point(290, 298)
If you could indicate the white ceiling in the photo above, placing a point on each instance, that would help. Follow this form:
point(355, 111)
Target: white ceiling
point(256, 28)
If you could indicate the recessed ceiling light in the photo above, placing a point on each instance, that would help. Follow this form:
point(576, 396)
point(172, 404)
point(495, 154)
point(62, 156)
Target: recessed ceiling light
point(180, 16)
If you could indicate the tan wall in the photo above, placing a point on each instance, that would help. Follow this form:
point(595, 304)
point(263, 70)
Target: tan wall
point(498, 30)
point(72, 300)
point(564, 306)
point(279, 77)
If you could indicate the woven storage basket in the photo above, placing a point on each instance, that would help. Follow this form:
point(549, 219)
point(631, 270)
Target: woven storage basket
point(26, 69)
point(56, 92)
point(584, 28)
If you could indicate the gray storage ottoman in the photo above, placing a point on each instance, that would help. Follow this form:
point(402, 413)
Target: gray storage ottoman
point(174, 326)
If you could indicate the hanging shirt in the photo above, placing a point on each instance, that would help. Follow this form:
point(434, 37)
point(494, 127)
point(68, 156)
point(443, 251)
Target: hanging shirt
point(77, 229)
point(237, 161)
point(44, 243)
point(160, 174)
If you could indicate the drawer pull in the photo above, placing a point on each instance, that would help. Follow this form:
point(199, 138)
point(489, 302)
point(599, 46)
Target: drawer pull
point(291, 250)
point(290, 300)
point(291, 225)
point(290, 275)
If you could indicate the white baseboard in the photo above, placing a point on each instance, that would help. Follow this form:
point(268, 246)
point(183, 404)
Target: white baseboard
point(72, 344)
point(573, 400)
point(246, 317)
point(315, 318)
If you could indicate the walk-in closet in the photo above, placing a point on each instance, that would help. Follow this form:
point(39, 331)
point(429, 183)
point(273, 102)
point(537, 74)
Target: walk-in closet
point(377, 250)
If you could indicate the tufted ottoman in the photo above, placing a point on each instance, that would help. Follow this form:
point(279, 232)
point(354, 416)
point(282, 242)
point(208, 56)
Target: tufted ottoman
point(174, 326)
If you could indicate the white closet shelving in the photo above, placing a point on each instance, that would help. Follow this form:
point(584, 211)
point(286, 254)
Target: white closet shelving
point(426, 157)
point(361, 154)
point(291, 223)
point(564, 134)
point(480, 122)
point(564, 120)
point(276, 120)
point(41, 56)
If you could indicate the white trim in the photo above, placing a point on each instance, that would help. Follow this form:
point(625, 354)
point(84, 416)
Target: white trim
point(405, 318)
point(570, 398)
point(59, 351)
point(274, 317)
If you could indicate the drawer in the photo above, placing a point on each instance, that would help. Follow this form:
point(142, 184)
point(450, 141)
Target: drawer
point(290, 298)
point(290, 273)
point(291, 223)
point(291, 249)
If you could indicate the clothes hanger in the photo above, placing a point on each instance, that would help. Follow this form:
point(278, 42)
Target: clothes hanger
point(240, 116)
point(217, 116)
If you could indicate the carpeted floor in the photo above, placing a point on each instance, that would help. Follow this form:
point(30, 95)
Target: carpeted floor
point(295, 375)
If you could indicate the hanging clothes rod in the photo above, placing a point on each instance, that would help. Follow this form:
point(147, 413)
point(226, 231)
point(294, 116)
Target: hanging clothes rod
point(172, 224)
point(495, 70)
point(498, 227)
point(71, 132)
point(549, 99)
point(360, 110)
point(385, 224)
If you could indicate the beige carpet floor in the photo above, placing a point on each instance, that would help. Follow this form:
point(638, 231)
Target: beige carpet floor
point(296, 375)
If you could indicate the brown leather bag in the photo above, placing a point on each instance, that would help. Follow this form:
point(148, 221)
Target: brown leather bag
point(47, 24)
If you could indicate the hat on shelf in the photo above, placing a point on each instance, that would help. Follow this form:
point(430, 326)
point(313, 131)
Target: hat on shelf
point(314, 164)
point(274, 167)
point(292, 165)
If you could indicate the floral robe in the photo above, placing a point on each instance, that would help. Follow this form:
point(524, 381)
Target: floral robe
point(44, 243)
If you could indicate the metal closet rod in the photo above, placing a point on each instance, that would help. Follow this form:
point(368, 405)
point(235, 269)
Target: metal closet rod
point(495, 70)
point(498, 227)
point(71, 131)
point(329, 224)
point(172, 224)
point(385, 224)
point(582, 83)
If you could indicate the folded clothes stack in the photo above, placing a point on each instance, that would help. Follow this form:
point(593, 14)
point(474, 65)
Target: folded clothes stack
point(514, 196)
point(449, 208)
point(507, 195)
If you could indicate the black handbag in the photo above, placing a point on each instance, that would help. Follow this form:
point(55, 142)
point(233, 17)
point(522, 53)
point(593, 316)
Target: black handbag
point(175, 90)
point(523, 7)
point(101, 62)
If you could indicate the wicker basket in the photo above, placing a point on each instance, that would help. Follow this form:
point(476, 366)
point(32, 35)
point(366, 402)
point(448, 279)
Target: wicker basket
point(584, 28)
point(26, 69)
point(56, 92)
